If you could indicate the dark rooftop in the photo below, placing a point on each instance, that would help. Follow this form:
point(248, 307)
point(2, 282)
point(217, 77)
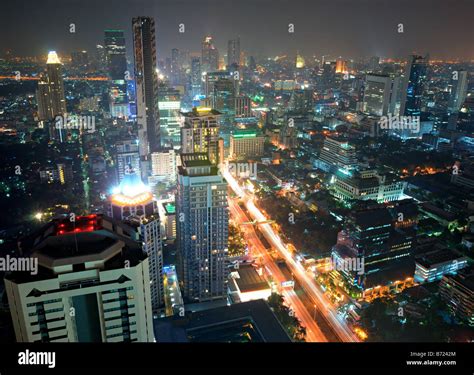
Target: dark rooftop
point(432, 258)
point(249, 321)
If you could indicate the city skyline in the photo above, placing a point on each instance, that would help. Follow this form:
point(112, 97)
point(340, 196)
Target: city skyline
point(340, 28)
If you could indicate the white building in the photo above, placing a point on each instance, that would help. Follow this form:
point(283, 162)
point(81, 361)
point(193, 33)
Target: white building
point(92, 286)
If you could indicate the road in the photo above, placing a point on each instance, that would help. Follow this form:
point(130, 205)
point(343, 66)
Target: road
point(257, 250)
point(313, 291)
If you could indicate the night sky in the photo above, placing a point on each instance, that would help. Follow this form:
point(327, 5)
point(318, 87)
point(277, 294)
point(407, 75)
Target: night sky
point(347, 28)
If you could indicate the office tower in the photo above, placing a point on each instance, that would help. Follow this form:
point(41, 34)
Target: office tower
point(223, 99)
point(233, 52)
point(412, 86)
point(114, 43)
point(201, 201)
point(371, 234)
point(92, 285)
point(200, 133)
point(127, 158)
point(50, 93)
point(209, 56)
point(341, 66)
point(243, 106)
point(164, 163)
point(196, 77)
point(458, 292)
point(337, 153)
point(459, 91)
point(246, 143)
point(146, 79)
point(381, 94)
point(80, 59)
point(100, 57)
point(169, 104)
point(211, 79)
point(133, 204)
point(175, 68)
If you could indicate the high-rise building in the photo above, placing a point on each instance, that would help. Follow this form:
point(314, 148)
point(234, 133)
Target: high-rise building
point(127, 158)
point(209, 56)
point(164, 163)
point(92, 285)
point(337, 153)
point(133, 203)
point(196, 77)
point(223, 99)
point(246, 143)
point(200, 133)
point(169, 104)
point(413, 85)
point(243, 107)
point(459, 91)
point(233, 52)
point(201, 202)
point(114, 42)
point(175, 73)
point(381, 94)
point(50, 93)
point(146, 78)
point(458, 292)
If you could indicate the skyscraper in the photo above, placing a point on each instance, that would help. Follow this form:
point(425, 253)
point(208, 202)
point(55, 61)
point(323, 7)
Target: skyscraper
point(209, 56)
point(169, 103)
point(381, 94)
point(127, 158)
point(133, 204)
point(146, 78)
point(117, 67)
point(459, 91)
point(92, 285)
point(196, 78)
point(50, 93)
point(233, 52)
point(203, 224)
point(412, 87)
point(200, 133)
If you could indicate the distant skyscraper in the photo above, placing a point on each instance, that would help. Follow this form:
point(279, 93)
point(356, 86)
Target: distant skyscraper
point(50, 93)
point(92, 285)
point(201, 201)
point(146, 88)
point(459, 90)
point(381, 94)
point(200, 133)
point(233, 52)
point(117, 68)
point(127, 158)
point(210, 56)
point(196, 78)
point(175, 67)
point(169, 103)
point(412, 87)
point(133, 204)
point(223, 99)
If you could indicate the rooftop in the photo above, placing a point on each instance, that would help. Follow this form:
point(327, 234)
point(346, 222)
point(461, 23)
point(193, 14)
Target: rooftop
point(251, 321)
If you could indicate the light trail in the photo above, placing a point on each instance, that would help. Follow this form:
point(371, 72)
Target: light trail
point(315, 294)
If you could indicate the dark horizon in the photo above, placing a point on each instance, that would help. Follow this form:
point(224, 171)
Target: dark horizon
point(350, 29)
